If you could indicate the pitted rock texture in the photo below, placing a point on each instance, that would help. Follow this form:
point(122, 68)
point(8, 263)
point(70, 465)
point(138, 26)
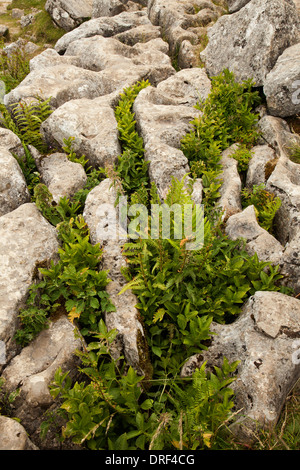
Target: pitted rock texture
point(27, 240)
point(281, 85)
point(163, 117)
point(261, 339)
point(33, 370)
point(103, 66)
point(68, 14)
point(99, 213)
point(106, 27)
point(250, 41)
point(13, 188)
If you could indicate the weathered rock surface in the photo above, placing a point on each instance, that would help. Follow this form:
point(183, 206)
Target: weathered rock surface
point(68, 14)
point(250, 41)
point(103, 65)
point(184, 21)
point(276, 133)
point(142, 33)
point(163, 116)
point(123, 63)
point(84, 74)
point(285, 183)
point(230, 190)
point(60, 82)
point(14, 436)
point(33, 370)
point(262, 340)
point(258, 240)
point(93, 125)
point(11, 142)
point(263, 158)
point(106, 27)
point(282, 84)
point(13, 188)
point(235, 5)
point(108, 7)
point(62, 177)
point(27, 240)
point(103, 220)
point(49, 58)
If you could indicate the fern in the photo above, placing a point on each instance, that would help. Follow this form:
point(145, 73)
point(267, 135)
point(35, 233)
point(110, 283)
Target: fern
point(13, 69)
point(25, 121)
point(132, 168)
point(265, 203)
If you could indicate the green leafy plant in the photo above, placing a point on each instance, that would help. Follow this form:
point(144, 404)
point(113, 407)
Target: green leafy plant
point(132, 168)
point(181, 291)
point(29, 169)
point(243, 156)
point(54, 213)
point(7, 399)
point(72, 156)
point(13, 69)
point(295, 153)
point(265, 203)
point(25, 121)
point(113, 410)
point(74, 285)
point(227, 119)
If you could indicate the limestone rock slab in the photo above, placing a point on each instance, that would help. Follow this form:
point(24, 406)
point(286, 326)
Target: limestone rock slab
point(13, 188)
point(263, 340)
point(101, 214)
point(163, 116)
point(258, 240)
point(250, 41)
point(106, 26)
point(276, 133)
point(62, 177)
point(68, 14)
point(93, 126)
point(11, 142)
point(61, 82)
point(33, 370)
point(27, 240)
point(282, 84)
point(230, 190)
point(14, 435)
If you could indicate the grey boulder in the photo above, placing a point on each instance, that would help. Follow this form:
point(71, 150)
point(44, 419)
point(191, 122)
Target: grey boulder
point(262, 339)
point(68, 14)
point(282, 84)
point(250, 41)
point(13, 188)
point(27, 241)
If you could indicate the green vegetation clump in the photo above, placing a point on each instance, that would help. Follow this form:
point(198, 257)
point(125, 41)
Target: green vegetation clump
point(265, 203)
point(227, 118)
point(132, 168)
point(42, 30)
point(179, 291)
point(295, 153)
point(25, 119)
point(13, 69)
